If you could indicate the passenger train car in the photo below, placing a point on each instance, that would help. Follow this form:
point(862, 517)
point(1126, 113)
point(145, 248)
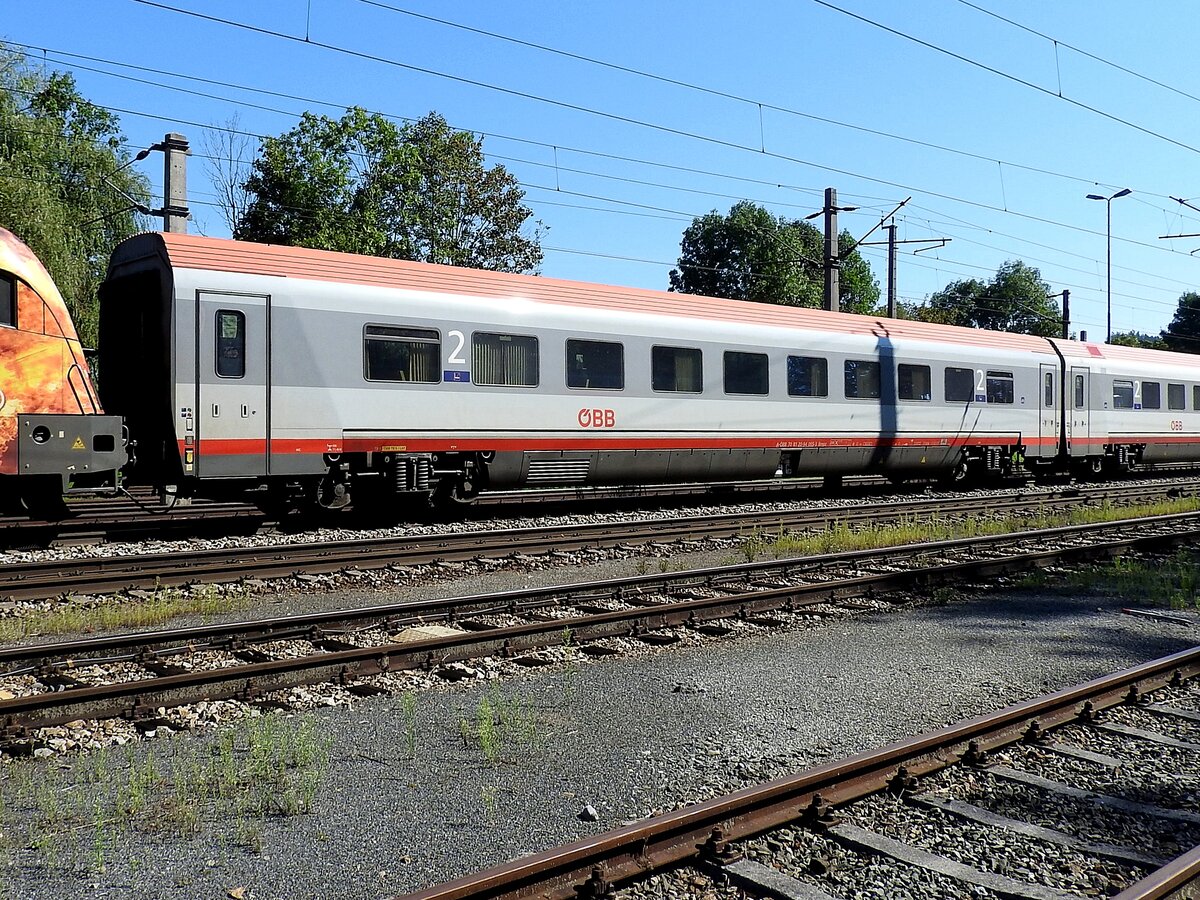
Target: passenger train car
point(330, 377)
point(54, 439)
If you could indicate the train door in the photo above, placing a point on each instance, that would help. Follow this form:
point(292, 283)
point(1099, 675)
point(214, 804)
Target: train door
point(231, 385)
point(1078, 413)
point(1048, 419)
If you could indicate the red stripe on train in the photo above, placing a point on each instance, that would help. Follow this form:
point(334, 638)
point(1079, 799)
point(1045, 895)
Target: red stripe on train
point(400, 443)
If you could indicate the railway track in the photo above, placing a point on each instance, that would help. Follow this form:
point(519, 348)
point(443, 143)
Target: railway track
point(42, 579)
point(134, 676)
point(1092, 781)
point(141, 515)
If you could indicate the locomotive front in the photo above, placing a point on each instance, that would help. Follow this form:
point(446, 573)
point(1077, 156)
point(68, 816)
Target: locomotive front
point(54, 439)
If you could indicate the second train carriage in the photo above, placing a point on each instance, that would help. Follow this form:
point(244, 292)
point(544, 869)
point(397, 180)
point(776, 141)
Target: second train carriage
point(339, 376)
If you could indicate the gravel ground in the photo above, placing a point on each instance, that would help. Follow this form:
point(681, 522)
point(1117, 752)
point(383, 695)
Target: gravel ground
point(627, 736)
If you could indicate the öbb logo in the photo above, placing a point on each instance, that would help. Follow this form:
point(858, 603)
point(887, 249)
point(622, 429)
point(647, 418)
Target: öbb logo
point(597, 418)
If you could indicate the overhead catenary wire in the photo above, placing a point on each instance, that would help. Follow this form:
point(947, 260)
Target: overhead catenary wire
point(676, 188)
point(579, 150)
point(998, 72)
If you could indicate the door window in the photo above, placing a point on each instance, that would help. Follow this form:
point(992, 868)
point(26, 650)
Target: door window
point(231, 343)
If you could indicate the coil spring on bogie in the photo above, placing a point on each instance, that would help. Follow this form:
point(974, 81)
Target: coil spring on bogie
point(412, 474)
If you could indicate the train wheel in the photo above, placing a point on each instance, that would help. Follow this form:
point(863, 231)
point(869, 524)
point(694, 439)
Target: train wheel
point(41, 498)
point(451, 498)
point(957, 477)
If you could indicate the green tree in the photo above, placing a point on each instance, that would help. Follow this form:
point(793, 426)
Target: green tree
point(1183, 334)
point(1016, 299)
point(64, 186)
point(750, 254)
point(363, 184)
point(1138, 339)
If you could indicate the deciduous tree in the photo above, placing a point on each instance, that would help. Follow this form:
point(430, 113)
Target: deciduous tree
point(1183, 334)
point(1016, 299)
point(750, 254)
point(65, 186)
point(363, 184)
point(1138, 339)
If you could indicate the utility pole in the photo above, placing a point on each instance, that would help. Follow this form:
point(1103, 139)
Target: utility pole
point(1066, 314)
point(891, 270)
point(832, 286)
point(891, 242)
point(175, 209)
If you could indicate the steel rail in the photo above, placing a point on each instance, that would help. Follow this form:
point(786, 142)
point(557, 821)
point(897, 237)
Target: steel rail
point(594, 865)
point(1165, 882)
point(42, 579)
point(416, 612)
point(135, 699)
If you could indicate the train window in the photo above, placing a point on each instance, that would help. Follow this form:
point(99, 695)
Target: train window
point(1122, 395)
point(397, 353)
point(862, 379)
point(676, 369)
point(1079, 392)
point(746, 373)
point(8, 301)
point(1048, 398)
point(999, 387)
point(808, 376)
point(1151, 395)
point(1176, 396)
point(914, 382)
point(1196, 396)
point(599, 365)
point(960, 385)
point(509, 360)
point(231, 343)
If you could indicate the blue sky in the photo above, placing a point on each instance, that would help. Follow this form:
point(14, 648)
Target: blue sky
point(767, 101)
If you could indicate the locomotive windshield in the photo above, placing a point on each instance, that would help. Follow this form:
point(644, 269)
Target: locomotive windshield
point(8, 297)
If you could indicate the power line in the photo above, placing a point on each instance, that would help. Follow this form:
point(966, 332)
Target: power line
point(1058, 42)
point(1013, 78)
point(589, 196)
point(589, 111)
point(596, 153)
point(716, 92)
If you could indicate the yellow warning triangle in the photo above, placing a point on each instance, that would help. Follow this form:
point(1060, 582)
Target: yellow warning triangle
point(78, 445)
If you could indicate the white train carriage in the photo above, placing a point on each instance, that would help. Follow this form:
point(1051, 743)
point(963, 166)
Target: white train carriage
point(1130, 407)
point(239, 364)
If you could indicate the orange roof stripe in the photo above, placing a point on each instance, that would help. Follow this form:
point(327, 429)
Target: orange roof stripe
point(203, 253)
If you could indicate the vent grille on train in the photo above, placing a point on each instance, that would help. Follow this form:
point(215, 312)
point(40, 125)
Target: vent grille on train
point(558, 471)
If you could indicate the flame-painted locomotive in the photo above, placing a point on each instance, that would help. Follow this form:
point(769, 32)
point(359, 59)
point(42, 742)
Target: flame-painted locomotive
point(54, 438)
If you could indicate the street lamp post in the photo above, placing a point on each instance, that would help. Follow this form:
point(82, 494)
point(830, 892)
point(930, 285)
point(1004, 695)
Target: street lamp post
point(1108, 206)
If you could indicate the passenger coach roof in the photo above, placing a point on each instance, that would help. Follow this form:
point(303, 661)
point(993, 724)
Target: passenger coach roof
point(216, 254)
point(1076, 350)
